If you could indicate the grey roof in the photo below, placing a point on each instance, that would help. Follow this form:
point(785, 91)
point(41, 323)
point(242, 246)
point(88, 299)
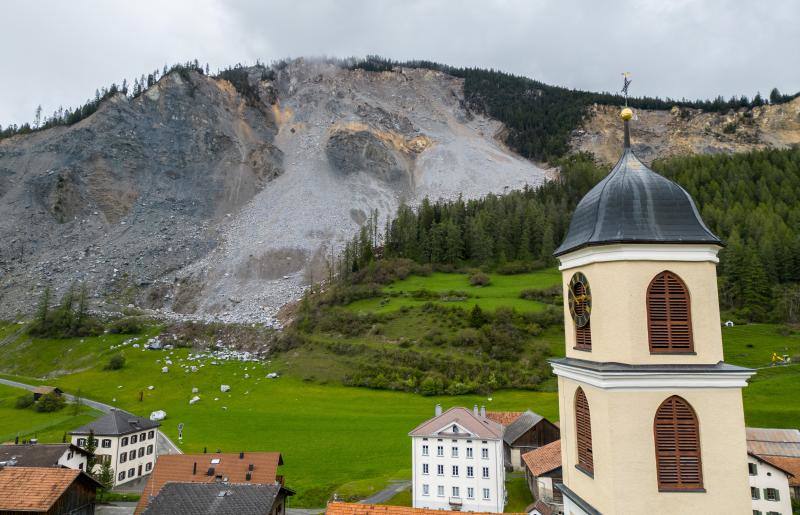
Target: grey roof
point(480, 427)
point(610, 366)
point(520, 426)
point(213, 499)
point(633, 204)
point(115, 423)
point(575, 498)
point(36, 455)
point(773, 442)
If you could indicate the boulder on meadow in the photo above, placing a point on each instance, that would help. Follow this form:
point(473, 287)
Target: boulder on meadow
point(224, 388)
point(158, 415)
point(194, 399)
point(164, 370)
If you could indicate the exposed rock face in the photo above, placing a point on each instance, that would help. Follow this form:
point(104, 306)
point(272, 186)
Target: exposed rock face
point(660, 134)
point(199, 202)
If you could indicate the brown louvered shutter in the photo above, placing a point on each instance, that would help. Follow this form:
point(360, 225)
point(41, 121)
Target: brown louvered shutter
point(677, 439)
point(583, 425)
point(583, 335)
point(669, 320)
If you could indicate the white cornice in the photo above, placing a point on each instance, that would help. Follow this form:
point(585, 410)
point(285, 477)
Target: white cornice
point(653, 380)
point(640, 252)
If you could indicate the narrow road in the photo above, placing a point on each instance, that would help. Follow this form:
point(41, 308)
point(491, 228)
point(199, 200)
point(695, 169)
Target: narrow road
point(394, 488)
point(164, 444)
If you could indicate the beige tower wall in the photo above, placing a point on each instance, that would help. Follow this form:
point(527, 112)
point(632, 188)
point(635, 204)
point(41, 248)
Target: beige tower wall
point(625, 479)
point(619, 311)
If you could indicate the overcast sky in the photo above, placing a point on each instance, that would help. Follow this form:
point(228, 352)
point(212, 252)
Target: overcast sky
point(57, 52)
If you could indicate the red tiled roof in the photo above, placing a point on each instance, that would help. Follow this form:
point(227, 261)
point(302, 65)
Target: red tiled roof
point(544, 459)
point(35, 488)
point(540, 506)
point(504, 417)
point(178, 468)
point(345, 508)
point(787, 464)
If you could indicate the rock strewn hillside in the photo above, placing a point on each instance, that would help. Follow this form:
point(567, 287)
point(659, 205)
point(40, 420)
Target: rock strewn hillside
point(680, 131)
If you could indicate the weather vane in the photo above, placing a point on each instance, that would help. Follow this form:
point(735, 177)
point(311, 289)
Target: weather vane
point(626, 83)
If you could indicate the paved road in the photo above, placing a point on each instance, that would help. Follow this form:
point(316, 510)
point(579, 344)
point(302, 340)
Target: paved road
point(115, 508)
point(164, 444)
point(394, 488)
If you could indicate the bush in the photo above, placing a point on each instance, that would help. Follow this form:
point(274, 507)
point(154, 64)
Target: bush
point(479, 279)
point(116, 362)
point(24, 401)
point(50, 402)
point(127, 325)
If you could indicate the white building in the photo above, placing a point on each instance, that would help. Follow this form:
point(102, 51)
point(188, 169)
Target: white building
point(457, 459)
point(43, 455)
point(769, 487)
point(127, 442)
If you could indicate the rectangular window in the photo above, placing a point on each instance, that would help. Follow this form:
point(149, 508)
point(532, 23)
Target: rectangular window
point(485, 494)
point(121, 476)
point(756, 512)
point(426, 490)
point(752, 468)
point(106, 443)
point(485, 473)
point(133, 439)
point(141, 451)
point(456, 492)
point(771, 494)
point(470, 472)
point(773, 513)
point(151, 434)
point(455, 470)
point(123, 457)
point(470, 493)
point(424, 468)
point(755, 493)
point(124, 442)
point(424, 450)
point(440, 491)
point(132, 455)
point(440, 470)
point(148, 467)
point(440, 450)
point(485, 453)
point(81, 442)
point(454, 452)
point(131, 472)
point(149, 449)
point(142, 437)
point(469, 452)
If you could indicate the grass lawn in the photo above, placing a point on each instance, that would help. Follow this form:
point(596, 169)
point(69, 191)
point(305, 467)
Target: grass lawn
point(402, 498)
point(28, 423)
point(519, 495)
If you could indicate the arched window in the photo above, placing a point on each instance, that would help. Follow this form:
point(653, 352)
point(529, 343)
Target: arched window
point(677, 439)
point(583, 426)
point(669, 318)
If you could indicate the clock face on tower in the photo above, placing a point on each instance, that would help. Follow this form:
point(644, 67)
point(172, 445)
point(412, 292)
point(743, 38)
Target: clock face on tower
point(580, 299)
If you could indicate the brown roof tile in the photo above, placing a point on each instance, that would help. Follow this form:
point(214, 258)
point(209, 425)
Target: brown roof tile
point(787, 464)
point(503, 417)
point(178, 468)
point(544, 459)
point(345, 508)
point(35, 488)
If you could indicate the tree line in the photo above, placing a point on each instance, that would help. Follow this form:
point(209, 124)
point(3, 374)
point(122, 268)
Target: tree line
point(750, 200)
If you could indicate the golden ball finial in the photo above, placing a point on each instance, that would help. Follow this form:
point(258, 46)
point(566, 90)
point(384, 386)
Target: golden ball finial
point(626, 114)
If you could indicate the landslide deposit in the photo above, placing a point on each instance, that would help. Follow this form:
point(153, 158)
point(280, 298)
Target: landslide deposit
point(200, 202)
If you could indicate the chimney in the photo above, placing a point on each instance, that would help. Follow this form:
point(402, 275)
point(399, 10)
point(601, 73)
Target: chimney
point(241, 455)
point(475, 410)
point(437, 410)
point(483, 411)
point(247, 476)
point(251, 467)
point(210, 471)
point(194, 468)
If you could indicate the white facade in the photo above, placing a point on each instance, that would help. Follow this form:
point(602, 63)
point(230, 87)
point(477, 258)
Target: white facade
point(131, 455)
point(458, 472)
point(73, 459)
point(769, 488)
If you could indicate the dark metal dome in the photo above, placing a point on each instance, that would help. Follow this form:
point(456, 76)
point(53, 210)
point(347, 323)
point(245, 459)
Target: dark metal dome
point(633, 204)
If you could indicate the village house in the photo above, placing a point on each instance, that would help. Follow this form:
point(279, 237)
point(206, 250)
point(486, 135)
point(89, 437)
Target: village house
point(44, 390)
point(524, 431)
point(247, 468)
point(219, 499)
point(781, 448)
point(345, 508)
point(458, 462)
point(126, 442)
point(543, 475)
point(44, 455)
point(46, 490)
point(769, 487)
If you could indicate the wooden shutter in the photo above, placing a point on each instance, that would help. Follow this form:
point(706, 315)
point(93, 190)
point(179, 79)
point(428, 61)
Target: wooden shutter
point(669, 319)
point(583, 425)
point(677, 439)
point(583, 335)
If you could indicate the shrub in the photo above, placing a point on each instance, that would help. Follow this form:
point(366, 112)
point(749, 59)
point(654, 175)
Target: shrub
point(116, 362)
point(24, 401)
point(127, 325)
point(467, 337)
point(431, 386)
point(479, 279)
point(50, 402)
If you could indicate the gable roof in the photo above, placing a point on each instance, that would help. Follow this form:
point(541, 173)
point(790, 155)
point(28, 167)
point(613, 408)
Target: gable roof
point(46, 389)
point(544, 459)
point(37, 488)
point(116, 422)
point(484, 428)
point(503, 417)
point(36, 455)
point(540, 506)
point(788, 465)
point(214, 499)
point(346, 508)
point(766, 459)
point(773, 442)
point(179, 468)
point(521, 425)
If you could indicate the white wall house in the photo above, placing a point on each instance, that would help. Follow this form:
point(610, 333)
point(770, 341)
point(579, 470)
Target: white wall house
point(127, 442)
point(43, 455)
point(457, 460)
point(769, 487)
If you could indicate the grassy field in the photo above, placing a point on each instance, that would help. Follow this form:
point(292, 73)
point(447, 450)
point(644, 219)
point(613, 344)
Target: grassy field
point(519, 495)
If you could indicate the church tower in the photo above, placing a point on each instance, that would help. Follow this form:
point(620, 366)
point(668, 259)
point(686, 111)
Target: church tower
point(651, 415)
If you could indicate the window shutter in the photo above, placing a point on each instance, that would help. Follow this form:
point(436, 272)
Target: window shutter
point(583, 426)
point(583, 335)
point(669, 319)
point(677, 440)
